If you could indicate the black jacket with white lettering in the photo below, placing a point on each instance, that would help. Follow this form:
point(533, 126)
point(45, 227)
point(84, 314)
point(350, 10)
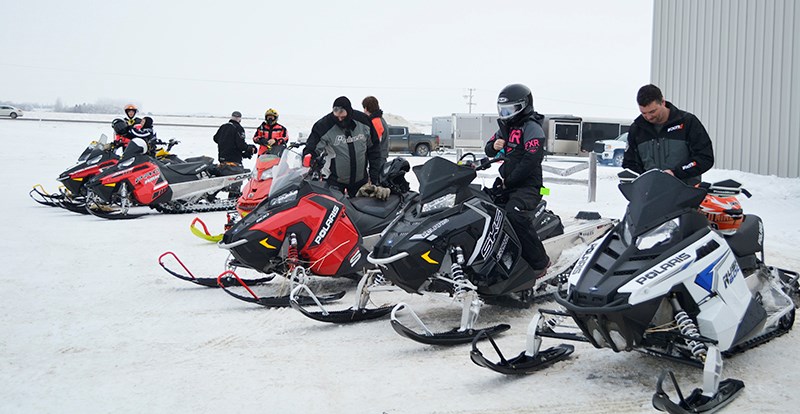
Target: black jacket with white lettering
point(681, 145)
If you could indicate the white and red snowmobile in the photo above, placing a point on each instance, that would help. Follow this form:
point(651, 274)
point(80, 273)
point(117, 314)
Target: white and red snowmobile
point(667, 284)
point(455, 242)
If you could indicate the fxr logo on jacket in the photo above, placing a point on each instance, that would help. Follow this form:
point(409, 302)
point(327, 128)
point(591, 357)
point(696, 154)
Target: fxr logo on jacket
point(675, 128)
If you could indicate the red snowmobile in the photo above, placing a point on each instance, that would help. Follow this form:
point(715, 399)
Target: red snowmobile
point(142, 180)
point(304, 229)
point(254, 192)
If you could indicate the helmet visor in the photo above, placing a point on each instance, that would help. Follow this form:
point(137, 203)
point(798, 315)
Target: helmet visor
point(508, 110)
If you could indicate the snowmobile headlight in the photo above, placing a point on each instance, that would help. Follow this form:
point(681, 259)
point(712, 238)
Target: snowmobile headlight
point(659, 235)
point(441, 203)
point(265, 175)
point(94, 160)
point(127, 162)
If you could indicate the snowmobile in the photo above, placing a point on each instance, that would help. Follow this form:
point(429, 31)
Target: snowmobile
point(142, 180)
point(455, 239)
point(667, 284)
point(96, 157)
point(304, 228)
point(255, 191)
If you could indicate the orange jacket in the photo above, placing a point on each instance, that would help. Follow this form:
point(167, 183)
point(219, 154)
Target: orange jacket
point(266, 132)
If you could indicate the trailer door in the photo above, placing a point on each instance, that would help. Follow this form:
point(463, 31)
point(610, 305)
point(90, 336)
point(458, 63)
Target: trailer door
point(566, 138)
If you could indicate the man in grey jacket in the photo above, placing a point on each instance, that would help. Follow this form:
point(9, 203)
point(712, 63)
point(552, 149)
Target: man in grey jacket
point(664, 137)
point(351, 146)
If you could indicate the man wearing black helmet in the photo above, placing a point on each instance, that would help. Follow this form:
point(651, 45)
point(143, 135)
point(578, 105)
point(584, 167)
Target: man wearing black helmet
point(521, 138)
point(351, 146)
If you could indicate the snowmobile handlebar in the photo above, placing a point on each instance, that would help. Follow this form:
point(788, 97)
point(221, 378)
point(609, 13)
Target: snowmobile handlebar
point(478, 164)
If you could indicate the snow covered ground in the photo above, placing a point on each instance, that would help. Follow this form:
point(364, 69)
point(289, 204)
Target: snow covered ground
point(90, 323)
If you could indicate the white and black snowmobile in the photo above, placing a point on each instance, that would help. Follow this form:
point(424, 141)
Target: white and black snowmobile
point(454, 239)
point(665, 283)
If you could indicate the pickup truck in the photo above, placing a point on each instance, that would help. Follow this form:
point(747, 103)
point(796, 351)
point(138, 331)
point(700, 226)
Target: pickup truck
point(611, 151)
point(400, 140)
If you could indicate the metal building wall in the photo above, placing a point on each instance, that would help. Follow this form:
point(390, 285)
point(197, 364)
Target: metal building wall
point(736, 65)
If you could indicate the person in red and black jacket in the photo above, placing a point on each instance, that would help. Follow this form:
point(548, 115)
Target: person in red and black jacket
point(270, 135)
point(373, 110)
point(664, 137)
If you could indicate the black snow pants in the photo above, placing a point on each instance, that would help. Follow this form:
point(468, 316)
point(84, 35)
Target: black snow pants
point(520, 209)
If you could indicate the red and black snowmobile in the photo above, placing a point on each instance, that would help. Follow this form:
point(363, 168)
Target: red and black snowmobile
point(304, 229)
point(96, 157)
point(454, 241)
point(254, 192)
point(142, 180)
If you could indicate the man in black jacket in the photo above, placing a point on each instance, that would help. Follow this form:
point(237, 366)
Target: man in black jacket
point(351, 146)
point(521, 137)
point(231, 148)
point(664, 137)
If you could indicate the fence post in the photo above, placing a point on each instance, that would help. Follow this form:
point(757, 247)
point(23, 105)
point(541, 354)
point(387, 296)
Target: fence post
point(459, 153)
point(592, 176)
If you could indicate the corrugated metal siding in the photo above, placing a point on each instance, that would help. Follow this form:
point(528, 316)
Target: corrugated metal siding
point(734, 64)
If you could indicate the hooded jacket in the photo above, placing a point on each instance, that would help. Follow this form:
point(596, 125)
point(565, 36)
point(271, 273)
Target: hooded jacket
point(352, 146)
point(681, 145)
point(230, 141)
point(524, 152)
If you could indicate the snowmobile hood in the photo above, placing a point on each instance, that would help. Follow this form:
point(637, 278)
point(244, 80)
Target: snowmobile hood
point(439, 175)
point(656, 197)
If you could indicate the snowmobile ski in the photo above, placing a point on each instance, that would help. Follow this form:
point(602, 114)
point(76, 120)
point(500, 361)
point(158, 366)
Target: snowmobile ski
point(462, 335)
point(204, 234)
point(229, 278)
point(212, 282)
point(697, 402)
point(41, 196)
point(358, 312)
point(526, 362)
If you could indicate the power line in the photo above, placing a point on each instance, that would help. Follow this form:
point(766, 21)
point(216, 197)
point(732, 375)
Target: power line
point(470, 104)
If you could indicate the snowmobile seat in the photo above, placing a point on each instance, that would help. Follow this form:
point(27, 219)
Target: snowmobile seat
point(375, 207)
point(189, 168)
point(749, 239)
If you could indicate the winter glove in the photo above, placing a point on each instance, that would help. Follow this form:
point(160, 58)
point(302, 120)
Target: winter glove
point(366, 190)
point(382, 193)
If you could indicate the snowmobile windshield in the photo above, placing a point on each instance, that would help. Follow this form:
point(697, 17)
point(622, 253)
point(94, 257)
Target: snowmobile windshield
point(656, 197)
point(289, 172)
point(439, 176)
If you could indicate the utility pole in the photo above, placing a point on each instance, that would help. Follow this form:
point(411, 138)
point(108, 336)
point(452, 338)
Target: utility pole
point(470, 104)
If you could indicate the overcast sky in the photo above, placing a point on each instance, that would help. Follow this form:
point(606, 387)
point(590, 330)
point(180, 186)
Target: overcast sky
point(585, 57)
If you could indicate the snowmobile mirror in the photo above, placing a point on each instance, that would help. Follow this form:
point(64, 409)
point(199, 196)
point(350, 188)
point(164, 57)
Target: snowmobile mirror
point(307, 161)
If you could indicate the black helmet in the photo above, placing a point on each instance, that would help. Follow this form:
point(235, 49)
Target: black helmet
point(120, 126)
point(515, 102)
point(393, 175)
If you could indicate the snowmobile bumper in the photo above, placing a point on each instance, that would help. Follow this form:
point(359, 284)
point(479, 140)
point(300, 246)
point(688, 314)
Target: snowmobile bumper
point(204, 234)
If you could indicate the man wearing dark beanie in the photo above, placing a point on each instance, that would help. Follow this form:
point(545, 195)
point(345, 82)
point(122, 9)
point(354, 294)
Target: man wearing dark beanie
point(351, 146)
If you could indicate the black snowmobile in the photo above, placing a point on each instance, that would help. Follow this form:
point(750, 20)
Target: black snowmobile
point(665, 283)
point(454, 239)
